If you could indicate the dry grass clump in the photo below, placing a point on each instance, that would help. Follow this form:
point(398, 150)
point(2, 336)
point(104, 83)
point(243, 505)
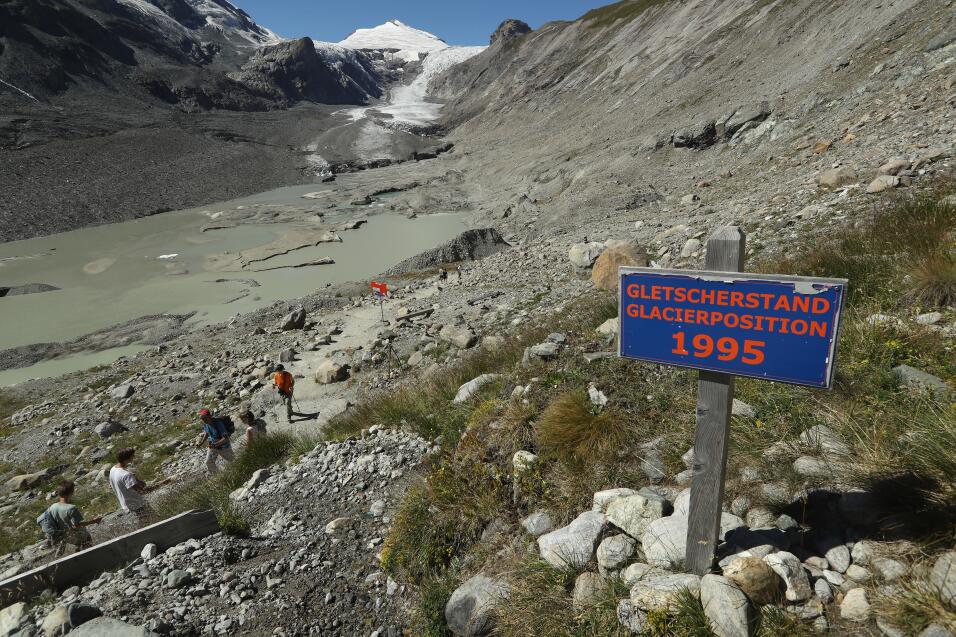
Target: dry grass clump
point(933, 281)
point(915, 607)
point(213, 492)
point(571, 430)
point(540, 604)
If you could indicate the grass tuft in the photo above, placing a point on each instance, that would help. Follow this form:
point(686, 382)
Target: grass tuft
point(933, 281)
point(213, 493)
point(572, 431)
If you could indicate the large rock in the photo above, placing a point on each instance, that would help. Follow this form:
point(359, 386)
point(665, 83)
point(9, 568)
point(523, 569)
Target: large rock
point(604, 274)
point(603, 499)
point(469, 389)
point(756, 579)
point(588, 589)
point(177, 578)
point(470, 609)
point(660, 591)
point(573, 546)
point(943, 577)
point(294, 320)
point(726, 606)
point(122, 391)
point(538, 523)
point(109, 428)
point(837, 177)
point(855, 606)
point(922, 381)
point(632, 514)
point(665, 540)
point(460, 337)
point(62, 619)
point(108, 627)
point(615, 551)
point(583, 255)
point(12, 617)
point(883, 182)
point(789, 568)
point(26, 481)
point(699, 135)
point(470, 245)
point(294, 70)
point(331, 372)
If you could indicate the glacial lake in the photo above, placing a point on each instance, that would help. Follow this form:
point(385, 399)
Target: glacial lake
point(113, 273)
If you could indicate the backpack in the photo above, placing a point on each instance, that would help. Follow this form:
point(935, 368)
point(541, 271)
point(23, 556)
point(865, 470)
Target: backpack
point(228, 425)
point(48, 525)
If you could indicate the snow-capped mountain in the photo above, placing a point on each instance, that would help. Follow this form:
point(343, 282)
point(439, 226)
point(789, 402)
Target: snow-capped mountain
point(405, 42)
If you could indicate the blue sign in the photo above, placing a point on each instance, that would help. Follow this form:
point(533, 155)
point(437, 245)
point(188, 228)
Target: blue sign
point(780, 328)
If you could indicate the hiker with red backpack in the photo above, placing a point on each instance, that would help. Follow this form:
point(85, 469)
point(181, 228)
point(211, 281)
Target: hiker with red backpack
point(285, 385)
point(216, 433)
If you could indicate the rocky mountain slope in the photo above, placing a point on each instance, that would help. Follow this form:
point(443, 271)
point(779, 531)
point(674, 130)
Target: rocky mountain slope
point(823, 129)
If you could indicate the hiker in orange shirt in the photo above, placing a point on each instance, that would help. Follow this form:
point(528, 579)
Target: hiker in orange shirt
point(284, 384)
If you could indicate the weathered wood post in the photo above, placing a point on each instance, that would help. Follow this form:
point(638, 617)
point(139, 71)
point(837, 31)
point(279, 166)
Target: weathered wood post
point(715, 397)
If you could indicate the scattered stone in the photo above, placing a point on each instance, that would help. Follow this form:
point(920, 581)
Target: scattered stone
point(740, 408)
point(538, 523)
point(62, 619)
point(935, 630)
point(883, 182)
point(338, 524)
point(789, 568)
point(921, 381)
point(178, 578)
point(122, 391)
point(331, 372)
point(596, 396)
point(632, 617)
point(460, 337)
point(632, 514)
point(691, 246)
point(12, 618)
point(615, 551)
point(665, 540)
point(470, 388)
point(638, 571)
point(583, 255)
point(588, 588)
point(109, 428)
point(929, 318)
point(943, 577)
point(109, 627)
point(659, 592)
point(889, 570)
point(855, 607)
point(756, 579)
point(604, 274)
point(603, 499)
point(837, 177)
point(894, 166)
point(822, 590)
point(573, 545)
point(608, 328)
point(470, 609)
point(149, 552)
point(726, 606)
point(858, 573)
point(811, 467)
point(294, 320)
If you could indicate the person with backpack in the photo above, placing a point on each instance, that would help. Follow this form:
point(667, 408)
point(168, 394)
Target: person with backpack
point(216, 434)
point(62, 523)
point(285, 385)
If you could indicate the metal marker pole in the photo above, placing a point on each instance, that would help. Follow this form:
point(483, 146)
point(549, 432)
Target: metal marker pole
point(715, 397)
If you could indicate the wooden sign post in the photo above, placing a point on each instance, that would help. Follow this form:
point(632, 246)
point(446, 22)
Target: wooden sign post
point(726, 323)
point(715, 399)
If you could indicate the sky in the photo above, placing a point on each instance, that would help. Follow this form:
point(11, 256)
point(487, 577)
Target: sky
point(456, 22)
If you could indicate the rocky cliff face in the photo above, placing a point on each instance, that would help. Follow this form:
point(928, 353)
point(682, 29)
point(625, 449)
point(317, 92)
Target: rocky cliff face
point(295, 70)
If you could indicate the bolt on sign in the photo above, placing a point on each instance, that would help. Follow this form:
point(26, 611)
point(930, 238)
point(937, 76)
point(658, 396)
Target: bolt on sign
point(726, 323)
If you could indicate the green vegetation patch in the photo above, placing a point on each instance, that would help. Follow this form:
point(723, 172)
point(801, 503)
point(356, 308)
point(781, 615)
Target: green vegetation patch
point(627, 10)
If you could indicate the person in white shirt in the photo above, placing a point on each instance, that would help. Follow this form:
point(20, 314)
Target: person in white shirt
point(130, 491)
